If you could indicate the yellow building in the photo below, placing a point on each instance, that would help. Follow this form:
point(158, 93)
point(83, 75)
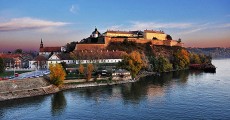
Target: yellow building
point(154, 35)
point(111, 33)
point(147, 34)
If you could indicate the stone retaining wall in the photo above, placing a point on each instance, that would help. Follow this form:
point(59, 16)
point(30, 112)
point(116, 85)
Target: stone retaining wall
point(12, 89)
point(14, 85)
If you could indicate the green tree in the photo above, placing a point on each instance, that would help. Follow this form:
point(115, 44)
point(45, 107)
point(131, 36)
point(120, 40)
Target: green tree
point(164, 65)
point(64, 66)
point(195, 58)
point(154, 63)
point(205, 59)
point(18, 51)
point(2, 66)
point(168, 37)
point(70, 47)
point(57, 74)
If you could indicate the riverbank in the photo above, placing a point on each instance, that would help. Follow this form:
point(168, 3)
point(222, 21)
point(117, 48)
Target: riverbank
point(14, 89)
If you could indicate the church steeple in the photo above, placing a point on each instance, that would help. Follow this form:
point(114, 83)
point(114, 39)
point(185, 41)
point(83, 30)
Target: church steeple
point(41, 44)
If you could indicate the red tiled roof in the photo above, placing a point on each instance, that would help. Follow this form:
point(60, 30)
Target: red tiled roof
point(40, 58)
point(50, 49)
point(121, 32)
point(101, 54)
point(10, 55)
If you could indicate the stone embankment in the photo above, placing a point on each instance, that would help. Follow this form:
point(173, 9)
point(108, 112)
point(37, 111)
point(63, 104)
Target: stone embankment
point(93, 84)
point(13, 89)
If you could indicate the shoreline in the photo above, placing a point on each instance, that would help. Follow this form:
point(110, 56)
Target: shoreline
point(52, 89)
point(11, 94)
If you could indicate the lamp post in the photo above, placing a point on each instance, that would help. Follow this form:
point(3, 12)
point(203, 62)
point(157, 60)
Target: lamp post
point(14, 69)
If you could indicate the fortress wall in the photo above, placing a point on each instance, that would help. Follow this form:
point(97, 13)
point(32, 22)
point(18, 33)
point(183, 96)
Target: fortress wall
point(172, 43)
point(141, 41)
point(90, 46)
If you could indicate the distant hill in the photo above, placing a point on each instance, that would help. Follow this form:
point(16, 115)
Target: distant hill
point(215, 52)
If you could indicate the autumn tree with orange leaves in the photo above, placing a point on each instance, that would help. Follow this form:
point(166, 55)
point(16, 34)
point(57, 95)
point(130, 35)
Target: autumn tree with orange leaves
point(81, 69)
point(132, 62)
point(89, 71)
point(57, 74)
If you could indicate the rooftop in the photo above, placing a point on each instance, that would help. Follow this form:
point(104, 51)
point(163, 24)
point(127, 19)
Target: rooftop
point(50, 49)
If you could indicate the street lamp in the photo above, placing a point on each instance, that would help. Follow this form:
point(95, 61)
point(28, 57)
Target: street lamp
point(14, 69)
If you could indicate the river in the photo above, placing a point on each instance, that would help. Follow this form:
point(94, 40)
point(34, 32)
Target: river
point(176, 95)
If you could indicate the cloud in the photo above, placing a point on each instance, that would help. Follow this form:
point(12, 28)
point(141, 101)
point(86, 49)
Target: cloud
point(27, 23)
point(137, 25)
point(226, 25)
point(193, 30)
point(74, 9)
point(156, 25)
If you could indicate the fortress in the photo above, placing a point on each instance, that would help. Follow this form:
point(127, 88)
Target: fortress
point(101, 41)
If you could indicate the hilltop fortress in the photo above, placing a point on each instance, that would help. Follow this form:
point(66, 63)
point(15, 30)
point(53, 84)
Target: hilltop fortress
point(101, 41)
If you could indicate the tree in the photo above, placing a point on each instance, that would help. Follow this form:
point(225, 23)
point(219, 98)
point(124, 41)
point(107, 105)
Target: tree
point(154, 62)
point(205, 59)
point(89, 71)
point(164, 65)
point(2, 67)
point(64, 66)
point(81, 69)
point(57, 74)
point(181, 59)
point(168, 37)
point(70, 46)
point(194, 58)
point(18, 51)
point(132, 62)
point(179, 40)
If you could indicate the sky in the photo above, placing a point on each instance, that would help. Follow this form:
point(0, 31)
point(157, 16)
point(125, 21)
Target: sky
point(199, 23)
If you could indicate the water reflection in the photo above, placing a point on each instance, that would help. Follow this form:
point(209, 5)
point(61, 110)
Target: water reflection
point(6, 107)
point(132, 93)
point(58, 103)
point(152, 86)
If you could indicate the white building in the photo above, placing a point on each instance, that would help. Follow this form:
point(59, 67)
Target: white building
point(102, 56)
point(58, 58)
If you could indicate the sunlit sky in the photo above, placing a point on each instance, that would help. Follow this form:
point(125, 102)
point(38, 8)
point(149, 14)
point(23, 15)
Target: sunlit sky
point(199, 23)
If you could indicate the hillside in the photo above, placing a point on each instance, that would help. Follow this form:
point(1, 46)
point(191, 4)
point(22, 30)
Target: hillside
point(215, 52)
point(159, 58)
point(148, 49)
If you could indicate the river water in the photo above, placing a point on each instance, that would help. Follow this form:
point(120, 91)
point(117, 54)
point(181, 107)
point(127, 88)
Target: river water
point(177, 95)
